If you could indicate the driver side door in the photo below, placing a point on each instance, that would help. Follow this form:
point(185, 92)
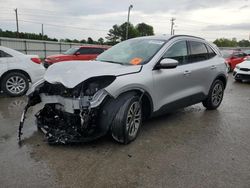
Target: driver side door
point(173, 85)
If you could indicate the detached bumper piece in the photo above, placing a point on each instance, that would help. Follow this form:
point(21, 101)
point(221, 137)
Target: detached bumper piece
point(64, 128)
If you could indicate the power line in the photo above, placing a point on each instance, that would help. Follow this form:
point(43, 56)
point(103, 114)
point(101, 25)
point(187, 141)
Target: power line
point(56, 25)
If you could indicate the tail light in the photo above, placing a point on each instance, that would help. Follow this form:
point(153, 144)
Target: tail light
point(36, 60)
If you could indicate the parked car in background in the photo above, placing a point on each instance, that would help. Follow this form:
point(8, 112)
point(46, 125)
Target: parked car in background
point(242, 71)
point(135, 79)
point(76, 53)
point(17, 70)
point(247, 52)
point(233, 58)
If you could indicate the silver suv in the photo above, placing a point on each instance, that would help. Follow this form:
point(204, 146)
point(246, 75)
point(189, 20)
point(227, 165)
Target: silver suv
point(134, 80)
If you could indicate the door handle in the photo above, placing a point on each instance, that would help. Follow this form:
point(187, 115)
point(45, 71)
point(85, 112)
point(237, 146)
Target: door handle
point(187, 72)
point(213, 67)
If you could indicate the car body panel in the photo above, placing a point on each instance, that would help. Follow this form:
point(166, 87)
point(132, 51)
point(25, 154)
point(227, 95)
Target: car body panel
point(235, 58)
point(242, 71)
point(21, 62)
point(73, 76)
point(74, 57)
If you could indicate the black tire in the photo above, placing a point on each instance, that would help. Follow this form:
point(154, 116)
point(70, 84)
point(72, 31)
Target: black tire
point(215, 95)
point(18, 90)
point(120, 131)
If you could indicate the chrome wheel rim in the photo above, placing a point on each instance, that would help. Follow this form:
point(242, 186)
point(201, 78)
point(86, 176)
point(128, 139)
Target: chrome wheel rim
point(133, 119)
point(217, 94)
point(15, 84)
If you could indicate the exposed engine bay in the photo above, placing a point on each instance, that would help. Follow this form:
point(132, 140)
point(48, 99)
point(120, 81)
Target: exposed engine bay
point(72, 115)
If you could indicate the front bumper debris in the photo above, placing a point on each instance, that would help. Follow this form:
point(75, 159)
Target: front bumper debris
point(67, 120)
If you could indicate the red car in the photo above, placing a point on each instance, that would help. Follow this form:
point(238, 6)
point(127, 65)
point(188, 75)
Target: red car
point(76, 53)
point(233, 58)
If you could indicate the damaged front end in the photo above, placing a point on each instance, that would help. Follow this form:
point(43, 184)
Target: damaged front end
point(70, 115)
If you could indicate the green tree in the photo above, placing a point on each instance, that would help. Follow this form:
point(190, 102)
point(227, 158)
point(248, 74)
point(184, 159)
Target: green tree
point(132, 31)
point(75, 41)
point(223, 42)
point(145, 29)
point(83, 41)
point(100, 41)
point(114, 35)
point(90, 40)
point(244, 43)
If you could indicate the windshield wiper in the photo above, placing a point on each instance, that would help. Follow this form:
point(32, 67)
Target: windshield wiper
point(113, 62)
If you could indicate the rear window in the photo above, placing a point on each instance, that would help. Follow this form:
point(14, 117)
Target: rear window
point(198, 51)
point(211, 52)
point(4, 54)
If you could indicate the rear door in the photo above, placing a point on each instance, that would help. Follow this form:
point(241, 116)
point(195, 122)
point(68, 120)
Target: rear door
point(202, 67)
point(4, 59)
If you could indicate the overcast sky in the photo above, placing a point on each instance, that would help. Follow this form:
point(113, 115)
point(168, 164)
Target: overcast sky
point(80, 19)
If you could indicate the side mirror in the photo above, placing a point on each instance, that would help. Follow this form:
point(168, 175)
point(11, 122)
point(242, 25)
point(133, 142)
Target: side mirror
point(77, 53)
point(167, 64)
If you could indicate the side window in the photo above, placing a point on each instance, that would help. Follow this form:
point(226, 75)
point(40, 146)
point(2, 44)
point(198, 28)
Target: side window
point(178, 51)
point(4, 54)
point(96, 50)
point(198, 52)
point(84, 51)
point(211, 52)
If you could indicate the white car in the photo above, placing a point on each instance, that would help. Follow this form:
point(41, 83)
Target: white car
point(242, 71)
point(17, 70)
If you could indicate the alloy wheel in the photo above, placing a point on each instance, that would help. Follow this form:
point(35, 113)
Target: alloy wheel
point(133, 120)
point(217, 94)
point(15, 85)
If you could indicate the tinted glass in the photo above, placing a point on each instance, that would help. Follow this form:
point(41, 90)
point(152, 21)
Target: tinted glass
point(96, 50)
point(71, 51)
point(211, 53)
point(178, 52)
point(4, 54)
point(90, 51)
point(239, 54)
point(198, 52)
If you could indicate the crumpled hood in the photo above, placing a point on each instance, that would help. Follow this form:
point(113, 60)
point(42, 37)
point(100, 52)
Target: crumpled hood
point(71, 73)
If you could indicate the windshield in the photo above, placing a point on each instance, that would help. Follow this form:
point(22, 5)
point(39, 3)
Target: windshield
point(71, 51)
point(132, 52)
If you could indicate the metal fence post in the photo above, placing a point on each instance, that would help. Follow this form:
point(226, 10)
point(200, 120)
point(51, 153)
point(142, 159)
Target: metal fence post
point(25, 47)
point(45, 50)
point(60, 46)
point(0, 41)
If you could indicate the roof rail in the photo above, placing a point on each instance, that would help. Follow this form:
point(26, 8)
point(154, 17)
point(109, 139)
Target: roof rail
point(174, 36)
